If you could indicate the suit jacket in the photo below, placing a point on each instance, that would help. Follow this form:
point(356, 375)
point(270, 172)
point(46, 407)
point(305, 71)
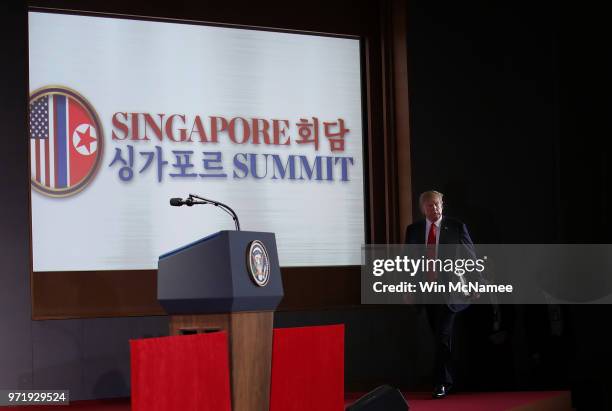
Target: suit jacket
point(452, 231)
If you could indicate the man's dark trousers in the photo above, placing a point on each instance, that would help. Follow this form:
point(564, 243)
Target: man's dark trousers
point(441, 320)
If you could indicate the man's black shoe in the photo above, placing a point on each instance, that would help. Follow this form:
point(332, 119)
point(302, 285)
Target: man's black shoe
point(440, 391)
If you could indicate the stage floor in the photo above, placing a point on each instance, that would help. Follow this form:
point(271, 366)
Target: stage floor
point(490, 401)
point(487, 401)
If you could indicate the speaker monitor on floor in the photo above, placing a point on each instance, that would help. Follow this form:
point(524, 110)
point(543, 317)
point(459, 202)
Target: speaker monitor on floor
point(383, 398)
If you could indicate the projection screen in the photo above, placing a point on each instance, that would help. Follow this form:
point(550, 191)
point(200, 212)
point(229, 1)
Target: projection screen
point(126, 113)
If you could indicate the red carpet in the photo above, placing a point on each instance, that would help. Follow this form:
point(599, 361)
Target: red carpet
point(494, 401)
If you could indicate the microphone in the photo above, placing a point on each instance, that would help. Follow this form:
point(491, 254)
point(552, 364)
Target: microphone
point(194, 199)
point(177, 202)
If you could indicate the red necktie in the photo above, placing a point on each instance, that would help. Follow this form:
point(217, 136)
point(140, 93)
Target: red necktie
point(431, 251)
point(431, 237)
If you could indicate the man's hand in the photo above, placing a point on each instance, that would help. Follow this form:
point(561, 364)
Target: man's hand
point(473, 296)
point(408, 298)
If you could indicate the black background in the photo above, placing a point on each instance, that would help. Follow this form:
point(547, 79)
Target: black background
point(510, 120)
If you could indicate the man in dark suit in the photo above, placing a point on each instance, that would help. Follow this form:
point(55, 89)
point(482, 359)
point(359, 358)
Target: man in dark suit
point(433, 230)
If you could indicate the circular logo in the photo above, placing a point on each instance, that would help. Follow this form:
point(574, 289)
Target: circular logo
point(258, 263)
point(66, 141)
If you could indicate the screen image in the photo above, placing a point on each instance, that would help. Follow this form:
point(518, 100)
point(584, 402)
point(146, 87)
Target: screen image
point(126, 114)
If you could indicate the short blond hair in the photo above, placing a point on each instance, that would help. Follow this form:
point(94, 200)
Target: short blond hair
point(426, 195)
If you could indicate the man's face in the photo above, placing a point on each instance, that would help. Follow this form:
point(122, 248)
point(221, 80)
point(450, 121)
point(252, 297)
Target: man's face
point(432, 208)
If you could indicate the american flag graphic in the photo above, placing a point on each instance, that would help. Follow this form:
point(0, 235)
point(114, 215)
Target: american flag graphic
point(63, 142)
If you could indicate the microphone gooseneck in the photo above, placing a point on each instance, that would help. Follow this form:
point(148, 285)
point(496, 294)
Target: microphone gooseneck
point(194, 199)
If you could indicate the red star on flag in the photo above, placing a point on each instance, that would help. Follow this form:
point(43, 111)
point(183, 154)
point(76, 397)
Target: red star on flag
point(85, 139)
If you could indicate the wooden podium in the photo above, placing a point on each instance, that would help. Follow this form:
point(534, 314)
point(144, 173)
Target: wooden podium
point(228, 281)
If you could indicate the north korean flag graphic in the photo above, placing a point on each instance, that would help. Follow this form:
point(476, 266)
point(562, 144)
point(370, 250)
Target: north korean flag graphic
point(66, 141)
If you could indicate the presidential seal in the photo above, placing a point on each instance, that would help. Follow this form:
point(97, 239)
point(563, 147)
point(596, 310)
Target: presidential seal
point(258, 263)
